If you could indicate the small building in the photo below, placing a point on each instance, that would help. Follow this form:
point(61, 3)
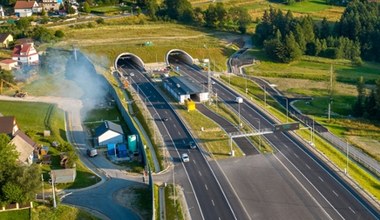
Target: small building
point(8, 64)
point(50, 5)
point(25, 54)
point(5, 39)
point(183, 88)
point(122, 151)
point(26, 8)
point(25, 146)
point(8, 125)
point(109, 133)
point(63, 175)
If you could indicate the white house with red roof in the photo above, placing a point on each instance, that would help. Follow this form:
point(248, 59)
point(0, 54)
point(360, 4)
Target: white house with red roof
point(8, 64)
point(25, 54)
point(26, 8)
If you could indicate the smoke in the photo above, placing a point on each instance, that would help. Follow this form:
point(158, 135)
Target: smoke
point(73, 76)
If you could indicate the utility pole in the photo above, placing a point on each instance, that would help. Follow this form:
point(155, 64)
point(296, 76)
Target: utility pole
point(43, 190)
point(346, 170)
point(330, 98)
point(53, 187)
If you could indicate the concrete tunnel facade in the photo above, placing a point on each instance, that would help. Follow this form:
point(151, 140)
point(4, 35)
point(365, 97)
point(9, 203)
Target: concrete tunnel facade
point(178, 54)
point(132, 57)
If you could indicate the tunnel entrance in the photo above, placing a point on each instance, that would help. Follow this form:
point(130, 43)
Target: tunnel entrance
point(176, 56)
point(129, 60)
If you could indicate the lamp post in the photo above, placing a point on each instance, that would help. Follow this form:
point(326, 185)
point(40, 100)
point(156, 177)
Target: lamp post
point(239, 100)
point(346, 170)
point(287, 109)
point(246, 88)
point(258, 120)
point(265, 95)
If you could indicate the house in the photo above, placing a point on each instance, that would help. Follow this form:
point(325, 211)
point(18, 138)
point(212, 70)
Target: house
point(24, 146)
point(8, 64)
point(5, 39)
point(50, 5)
point(26, 8)
point(109, 133)
point(25, 54)
point(63, 175)
point(8, 125)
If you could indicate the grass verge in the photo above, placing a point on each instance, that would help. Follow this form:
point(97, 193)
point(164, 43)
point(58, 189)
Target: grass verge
point(173, 208)
point(61, 212)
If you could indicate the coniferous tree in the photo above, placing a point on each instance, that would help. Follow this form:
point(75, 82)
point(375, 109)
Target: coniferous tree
point(370, 105)
point(357, 108)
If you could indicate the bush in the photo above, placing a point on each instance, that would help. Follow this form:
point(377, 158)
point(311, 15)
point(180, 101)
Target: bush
point(59, 34)
point(100, 21)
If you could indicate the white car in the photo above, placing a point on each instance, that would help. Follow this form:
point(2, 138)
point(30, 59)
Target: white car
point(185, 157)
point(131, 74)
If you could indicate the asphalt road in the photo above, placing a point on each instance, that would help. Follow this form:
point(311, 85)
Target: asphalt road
point(201, 188)
point(321, 185)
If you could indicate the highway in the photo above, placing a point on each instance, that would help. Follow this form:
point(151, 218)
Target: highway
point(324, 188)
point(201, 187)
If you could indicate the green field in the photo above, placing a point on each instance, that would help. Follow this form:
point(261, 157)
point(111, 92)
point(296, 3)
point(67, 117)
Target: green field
point(23, 214)
point(315, 8)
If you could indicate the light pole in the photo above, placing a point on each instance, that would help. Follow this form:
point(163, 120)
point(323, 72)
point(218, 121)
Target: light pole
point(265, 95)
point(246, 89)
point(239, 100)
point(346, 170)
point(287, 109)
point(258, 120)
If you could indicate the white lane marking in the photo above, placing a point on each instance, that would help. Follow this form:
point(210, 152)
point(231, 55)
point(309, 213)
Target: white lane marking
point(296, 155)
point(174, 126)
point(308, 166)
point(194, 162)
point(206, 186)
point(200, 174)
point(321, 179)
point(179, 133)
point(213, 202)
point(349, 207)
point(286, 147)
point(184, 141)
point(336, 194)
point(166, 112)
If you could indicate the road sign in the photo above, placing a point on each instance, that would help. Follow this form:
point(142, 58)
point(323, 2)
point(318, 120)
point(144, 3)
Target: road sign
point(287, 127)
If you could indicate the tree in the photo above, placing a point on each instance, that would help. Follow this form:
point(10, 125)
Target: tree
point(12, 192)
point(8, 157)
point(86, 7)
point(324, 31)
point(151, 8)
point(292, 50)
point(59, 34)
point(23, 24)
point(357, 108)
point(370, 105)
point(199, 16)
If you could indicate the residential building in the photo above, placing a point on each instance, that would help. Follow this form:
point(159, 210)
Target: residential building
point(109, 133)
point(8, 64)
point(25, 146)
point(25, 54)
point(26, 8)
point(50, 5)
point(8, 125)
point(5, 39)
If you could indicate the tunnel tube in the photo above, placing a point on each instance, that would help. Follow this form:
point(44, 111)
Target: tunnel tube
point(181, 54)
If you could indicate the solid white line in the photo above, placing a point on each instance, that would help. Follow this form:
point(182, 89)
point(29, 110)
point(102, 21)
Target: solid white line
point(336, 194)
point(349, 207)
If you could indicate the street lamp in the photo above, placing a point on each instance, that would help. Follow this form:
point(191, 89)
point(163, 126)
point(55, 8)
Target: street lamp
point(246, 89)
point(346, 170)
point(258, 120)
point(265, 95)
point(287, 109)
point(239, 100)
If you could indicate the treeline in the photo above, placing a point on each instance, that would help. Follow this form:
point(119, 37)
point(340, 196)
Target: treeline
point(216, 16)
point(23, 28)
point(367, 105)
point(286, 38)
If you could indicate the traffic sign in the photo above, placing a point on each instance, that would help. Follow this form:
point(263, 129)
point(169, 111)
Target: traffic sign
point(287, 127)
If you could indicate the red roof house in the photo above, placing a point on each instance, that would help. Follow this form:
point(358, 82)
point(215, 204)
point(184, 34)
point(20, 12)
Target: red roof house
point(26, 8)
point(25, 54)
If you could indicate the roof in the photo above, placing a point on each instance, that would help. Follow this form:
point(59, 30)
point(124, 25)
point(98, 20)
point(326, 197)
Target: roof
point(23, 48)
point(106, 126)
point(63, 175)
point(8, 61)
point(7, 124)
point(24, 145)
point(3, 36)
point(24, 4)
point(183, 85)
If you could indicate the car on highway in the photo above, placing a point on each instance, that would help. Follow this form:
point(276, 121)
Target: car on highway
point(192, 145)
point(131, 74)
point(165, 119)
point(185, 157)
